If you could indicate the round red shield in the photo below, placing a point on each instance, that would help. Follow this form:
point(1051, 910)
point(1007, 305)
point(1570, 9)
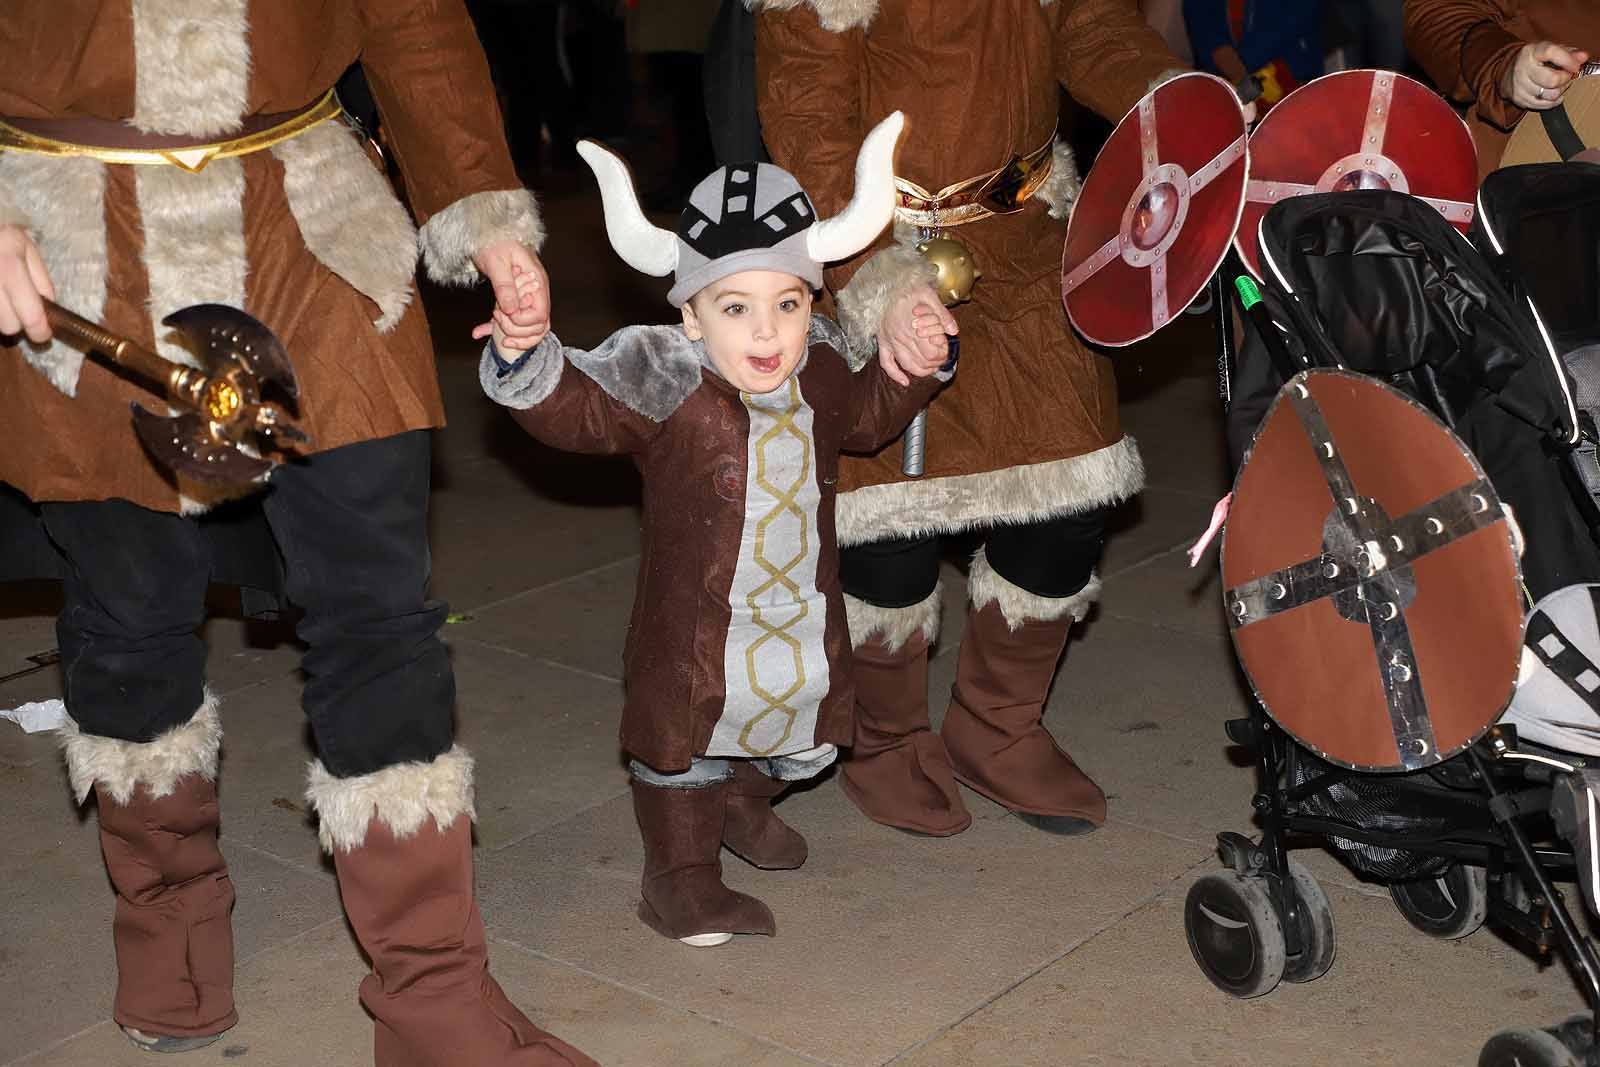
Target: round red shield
point(1370, 579)
point(1359, 129)
point(1157, 211)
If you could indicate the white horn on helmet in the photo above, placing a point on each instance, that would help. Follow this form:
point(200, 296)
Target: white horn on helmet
point(642, 244)
point(871, 206)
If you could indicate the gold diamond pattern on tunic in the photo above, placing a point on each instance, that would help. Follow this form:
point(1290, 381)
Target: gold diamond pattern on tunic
point(776, 620)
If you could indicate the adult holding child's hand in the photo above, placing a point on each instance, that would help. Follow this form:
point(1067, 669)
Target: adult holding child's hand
point(24, 284)
point(521, 295)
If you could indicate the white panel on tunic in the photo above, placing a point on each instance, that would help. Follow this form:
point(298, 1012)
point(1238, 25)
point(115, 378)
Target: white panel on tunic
point(775, 666)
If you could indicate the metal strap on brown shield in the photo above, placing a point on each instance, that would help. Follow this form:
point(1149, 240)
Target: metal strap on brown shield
point(1371, 572)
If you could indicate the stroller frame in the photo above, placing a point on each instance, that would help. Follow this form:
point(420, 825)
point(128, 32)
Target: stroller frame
point(1519, 895)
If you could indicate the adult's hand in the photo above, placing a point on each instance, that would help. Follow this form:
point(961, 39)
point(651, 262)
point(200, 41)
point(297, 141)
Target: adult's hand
point(521, 294)
point(23, 281)
point(911, 340)
point(1539, 78)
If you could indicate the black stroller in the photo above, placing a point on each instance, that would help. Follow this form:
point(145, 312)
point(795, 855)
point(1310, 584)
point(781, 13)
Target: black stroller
point(1377, 282)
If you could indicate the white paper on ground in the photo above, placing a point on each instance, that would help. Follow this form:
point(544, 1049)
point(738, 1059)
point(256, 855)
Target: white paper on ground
point(38, 717)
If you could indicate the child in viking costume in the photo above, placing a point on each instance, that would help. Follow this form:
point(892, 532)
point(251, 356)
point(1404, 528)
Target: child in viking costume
point(1025, 448)
point(156, 154)
point(736, 661)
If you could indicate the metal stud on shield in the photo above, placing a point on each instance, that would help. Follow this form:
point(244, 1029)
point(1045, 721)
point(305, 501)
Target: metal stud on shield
point(1157, 211)
point(1359, 129)
point(1372, 586)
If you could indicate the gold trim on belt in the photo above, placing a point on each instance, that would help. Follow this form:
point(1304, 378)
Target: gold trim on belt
point(999, 192)
point(190, 158)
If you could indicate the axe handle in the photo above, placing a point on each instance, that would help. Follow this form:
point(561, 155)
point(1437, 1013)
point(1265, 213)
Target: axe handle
point(119, 350)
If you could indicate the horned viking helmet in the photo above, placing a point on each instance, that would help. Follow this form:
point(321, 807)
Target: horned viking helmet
point(749, 216)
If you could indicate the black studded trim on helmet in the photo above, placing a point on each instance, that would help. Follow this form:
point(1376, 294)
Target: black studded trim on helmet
point(740, 229)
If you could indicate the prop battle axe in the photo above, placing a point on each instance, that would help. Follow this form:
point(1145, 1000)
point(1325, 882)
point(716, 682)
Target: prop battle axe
point(223, 422)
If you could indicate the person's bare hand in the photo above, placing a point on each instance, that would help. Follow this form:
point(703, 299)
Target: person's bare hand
point(521, 296)
point(1539, 78)
point(23, 281)
point(911, 340)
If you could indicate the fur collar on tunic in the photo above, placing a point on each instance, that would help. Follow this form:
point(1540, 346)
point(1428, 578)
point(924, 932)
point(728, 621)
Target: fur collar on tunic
point(653, 369)
point(835, 15)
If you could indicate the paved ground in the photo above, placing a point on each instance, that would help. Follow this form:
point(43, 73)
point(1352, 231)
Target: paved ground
point(1000, 946)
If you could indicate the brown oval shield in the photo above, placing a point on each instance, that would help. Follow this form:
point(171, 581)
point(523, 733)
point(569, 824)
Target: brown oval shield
point(1370, 577)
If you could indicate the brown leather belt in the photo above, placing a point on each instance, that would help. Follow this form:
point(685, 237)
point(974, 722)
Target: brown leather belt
point(999, 192)
point(115, 141)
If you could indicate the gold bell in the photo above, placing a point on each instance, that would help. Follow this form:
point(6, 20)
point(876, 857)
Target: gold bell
point(958, 272)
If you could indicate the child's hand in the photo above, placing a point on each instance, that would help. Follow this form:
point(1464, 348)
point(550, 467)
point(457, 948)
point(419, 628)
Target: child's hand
point(522, 304)
point(932, 346)
point(912, 335)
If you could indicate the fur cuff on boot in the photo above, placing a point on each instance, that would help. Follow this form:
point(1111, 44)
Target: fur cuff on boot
point(452, 237)
point(895, 624)
point(1017, 605)
point(402, 796)
point(122, 766)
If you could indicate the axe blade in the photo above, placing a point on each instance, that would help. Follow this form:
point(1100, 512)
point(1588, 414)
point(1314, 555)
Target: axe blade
point(222, 336)
point(184, 444)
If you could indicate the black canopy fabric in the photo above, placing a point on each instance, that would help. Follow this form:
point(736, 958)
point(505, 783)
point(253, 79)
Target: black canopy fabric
point(1539, 227)
point(1378, 282)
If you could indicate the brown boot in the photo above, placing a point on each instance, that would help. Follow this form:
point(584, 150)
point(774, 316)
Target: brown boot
point(997, 744)
point(401, 840)
point(752, 830)
point(158, 832)
point(897, 771)
point(682, 890)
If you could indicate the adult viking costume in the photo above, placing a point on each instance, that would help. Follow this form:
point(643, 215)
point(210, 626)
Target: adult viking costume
point(163, 153)
point(1467, 46)
point(1026, 446)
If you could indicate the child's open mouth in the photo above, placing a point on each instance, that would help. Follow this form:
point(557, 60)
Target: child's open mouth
point(766, 364)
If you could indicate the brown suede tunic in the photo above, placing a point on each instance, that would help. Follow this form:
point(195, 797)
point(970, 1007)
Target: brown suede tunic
point(697, 471)
point(84, 59)
point(1466, 46)
point(979, 82)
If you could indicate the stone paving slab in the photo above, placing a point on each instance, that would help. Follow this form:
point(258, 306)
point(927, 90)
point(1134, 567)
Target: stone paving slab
point(1133, 995)
point(882, 938)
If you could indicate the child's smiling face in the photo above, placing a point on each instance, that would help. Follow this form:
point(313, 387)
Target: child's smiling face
point(754, 326)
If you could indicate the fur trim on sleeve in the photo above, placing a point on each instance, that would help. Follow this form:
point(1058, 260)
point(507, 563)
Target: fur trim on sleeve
point(402, 797)
point(836, 16)
point(1060, 190)
point(895, 624)
point(985, 586)
point(530, 384)
point(122, 766)
point(865, 300)
point(452, 237)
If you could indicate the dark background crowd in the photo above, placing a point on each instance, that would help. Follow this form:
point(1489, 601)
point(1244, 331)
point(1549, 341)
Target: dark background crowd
point(631, 72)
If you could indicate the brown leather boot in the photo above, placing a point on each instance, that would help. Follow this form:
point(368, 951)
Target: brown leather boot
point(997, 744)
point(897, 771)
point(752, 830)
point(682, 890)
point(172, 929)
point(401, 840)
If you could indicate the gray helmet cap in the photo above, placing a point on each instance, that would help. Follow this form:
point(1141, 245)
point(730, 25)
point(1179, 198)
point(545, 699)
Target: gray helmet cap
point(746, 216)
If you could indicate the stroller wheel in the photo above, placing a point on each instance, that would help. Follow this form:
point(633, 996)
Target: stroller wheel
point(1449, 905)
point(1315, 927)
point(1526, 1048)
point(1234, 933)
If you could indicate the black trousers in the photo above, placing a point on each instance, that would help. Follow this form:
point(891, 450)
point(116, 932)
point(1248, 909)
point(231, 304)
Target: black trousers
point(1049, 558)
point(351, 525)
